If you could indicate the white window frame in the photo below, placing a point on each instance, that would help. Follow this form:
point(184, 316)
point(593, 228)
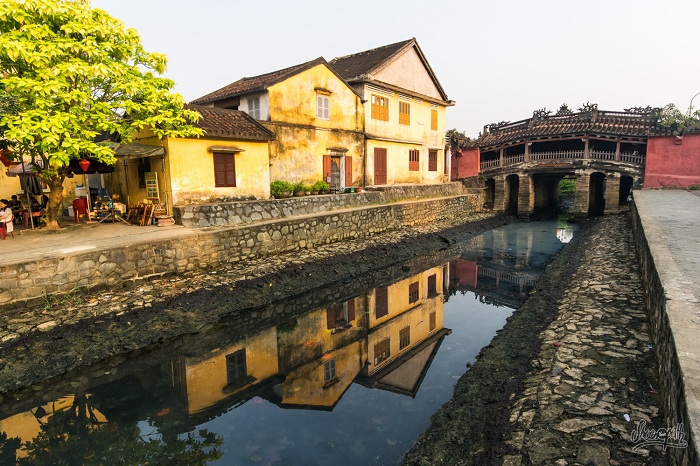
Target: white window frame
point(254, 107)
point(323, 107)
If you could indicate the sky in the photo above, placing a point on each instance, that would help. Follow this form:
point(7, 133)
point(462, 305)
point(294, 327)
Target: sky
point(498, 60)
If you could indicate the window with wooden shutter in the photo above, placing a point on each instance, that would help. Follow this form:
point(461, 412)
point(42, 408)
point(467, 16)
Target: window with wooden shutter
point(433, 120)
point(413, 160)
point(382, 351)
point(381, 302)
point(413, 293)
point(404, 338)
point(323, 107)
point(224, 170)
point(236, 370)
point(432, 321)
point(432, 160)
point(404, 113)
point(432, 285)
point(380, 108)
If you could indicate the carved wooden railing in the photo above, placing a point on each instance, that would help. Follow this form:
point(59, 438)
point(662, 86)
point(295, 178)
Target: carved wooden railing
point(562, 155)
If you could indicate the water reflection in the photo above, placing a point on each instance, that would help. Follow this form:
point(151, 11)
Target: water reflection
point(350, 380)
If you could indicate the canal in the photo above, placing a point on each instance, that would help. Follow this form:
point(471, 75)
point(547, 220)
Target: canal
point(348, 376)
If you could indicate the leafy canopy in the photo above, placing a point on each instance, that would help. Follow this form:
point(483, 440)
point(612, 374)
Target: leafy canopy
point(73, 73)
point(672, 117)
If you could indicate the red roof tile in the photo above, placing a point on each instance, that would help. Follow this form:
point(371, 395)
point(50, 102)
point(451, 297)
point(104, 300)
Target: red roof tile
point(353, 67)
point(257, 83)
point(230, 124)
point(636, 123)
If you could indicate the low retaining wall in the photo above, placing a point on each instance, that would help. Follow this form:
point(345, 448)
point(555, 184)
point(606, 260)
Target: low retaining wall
point(679, 403)
point(27, 284)
point(245, 212)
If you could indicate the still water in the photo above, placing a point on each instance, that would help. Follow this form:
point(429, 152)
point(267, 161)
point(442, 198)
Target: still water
point(350, 381)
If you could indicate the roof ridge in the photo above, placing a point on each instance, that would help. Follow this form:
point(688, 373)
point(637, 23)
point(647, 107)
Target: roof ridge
point(403, 42)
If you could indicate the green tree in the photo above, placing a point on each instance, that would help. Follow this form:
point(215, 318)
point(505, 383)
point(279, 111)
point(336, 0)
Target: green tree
point(672, 117)
point(74, 73)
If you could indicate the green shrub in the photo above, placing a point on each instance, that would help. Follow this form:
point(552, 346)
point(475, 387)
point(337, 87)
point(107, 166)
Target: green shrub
point(298, 186)
point(567, 187)
point(320, 185)
point(278, 187)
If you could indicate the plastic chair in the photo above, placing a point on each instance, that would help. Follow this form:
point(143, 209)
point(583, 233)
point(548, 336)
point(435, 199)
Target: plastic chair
point(80, 208)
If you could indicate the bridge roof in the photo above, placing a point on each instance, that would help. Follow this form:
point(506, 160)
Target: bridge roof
point(589, 120)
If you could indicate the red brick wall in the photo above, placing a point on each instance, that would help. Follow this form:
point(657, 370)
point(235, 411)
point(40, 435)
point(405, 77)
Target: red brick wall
point(671, 164)
point(465, 163)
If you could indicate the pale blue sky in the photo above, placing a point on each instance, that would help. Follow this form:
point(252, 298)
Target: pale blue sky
point(498, 59)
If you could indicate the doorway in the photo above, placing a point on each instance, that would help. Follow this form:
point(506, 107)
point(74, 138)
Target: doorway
point(379, 166)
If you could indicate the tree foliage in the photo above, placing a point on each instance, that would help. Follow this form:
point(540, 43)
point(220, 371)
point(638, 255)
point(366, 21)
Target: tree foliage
point(672, 117)
point(72, 73)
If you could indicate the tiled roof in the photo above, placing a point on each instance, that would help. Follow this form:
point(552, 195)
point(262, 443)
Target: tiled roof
point(352, 67)
point(634, 123)
point(231, 124)
point(257, 83)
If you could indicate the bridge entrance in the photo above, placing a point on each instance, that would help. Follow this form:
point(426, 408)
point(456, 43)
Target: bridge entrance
point(513, 189)
point(596, 194)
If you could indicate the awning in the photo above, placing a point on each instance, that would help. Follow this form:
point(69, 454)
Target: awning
point(227, 149)
point(136, 151)
point(24, 168)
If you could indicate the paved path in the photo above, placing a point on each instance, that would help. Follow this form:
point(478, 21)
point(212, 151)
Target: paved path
point(594, 383)
point(671, 222)
point(28, 244)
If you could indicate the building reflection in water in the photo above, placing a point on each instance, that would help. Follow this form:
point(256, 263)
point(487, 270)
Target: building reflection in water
point(385, 338)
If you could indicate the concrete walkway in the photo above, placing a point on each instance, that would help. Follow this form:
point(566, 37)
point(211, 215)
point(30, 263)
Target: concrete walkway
point(40, 243)
point(671, 225)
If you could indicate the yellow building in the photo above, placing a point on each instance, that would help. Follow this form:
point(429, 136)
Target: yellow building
point(209, 380)
point(316, 117)
point(404, 114)
point(322, 355)
point(406, 328)
point(230, 162)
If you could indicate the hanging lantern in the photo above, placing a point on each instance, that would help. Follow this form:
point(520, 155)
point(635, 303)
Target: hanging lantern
point(84, 164)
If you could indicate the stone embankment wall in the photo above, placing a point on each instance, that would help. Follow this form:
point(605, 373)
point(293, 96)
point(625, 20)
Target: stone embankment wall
point(244, 212)
point(27, 284)
point(661, 304)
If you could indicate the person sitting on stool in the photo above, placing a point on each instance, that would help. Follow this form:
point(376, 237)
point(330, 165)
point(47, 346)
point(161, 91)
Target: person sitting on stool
point(6, 217)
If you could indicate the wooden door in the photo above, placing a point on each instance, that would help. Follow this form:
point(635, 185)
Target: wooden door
point(379, 166)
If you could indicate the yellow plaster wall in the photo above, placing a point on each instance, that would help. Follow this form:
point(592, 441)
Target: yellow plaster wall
point(401, 315)
point(310, 337)
point(398, 296)
point(206, 379)
point(306, 385)
point(189, 172)
point(398, 139)
point(191, 168)
point(301, 139)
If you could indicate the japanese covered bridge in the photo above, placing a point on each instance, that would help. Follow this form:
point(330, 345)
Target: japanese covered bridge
point(523, 162)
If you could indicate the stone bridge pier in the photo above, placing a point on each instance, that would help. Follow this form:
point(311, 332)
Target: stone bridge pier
point(598, 192)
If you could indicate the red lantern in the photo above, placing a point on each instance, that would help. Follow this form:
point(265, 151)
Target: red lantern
point(84, 164)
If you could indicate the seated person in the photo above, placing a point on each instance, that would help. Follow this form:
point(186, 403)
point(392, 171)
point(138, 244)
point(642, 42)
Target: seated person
point(17, 207)
point(37, 212)
point(15, 203)
point(6, 215)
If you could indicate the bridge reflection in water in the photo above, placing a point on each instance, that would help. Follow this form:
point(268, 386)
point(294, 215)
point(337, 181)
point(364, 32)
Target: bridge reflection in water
point(356, 378)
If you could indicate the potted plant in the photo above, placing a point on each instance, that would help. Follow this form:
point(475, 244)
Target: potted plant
point(307, 190)
point(298, 188)
point(322, 187)
point(280, 189)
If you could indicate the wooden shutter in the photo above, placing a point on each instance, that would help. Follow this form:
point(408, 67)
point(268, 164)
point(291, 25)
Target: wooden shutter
point(224, 170)
point(330, 318)
point(327, 168)
point(381, 304)
point(379, 166)
point(433, 120)
point(348, 170)
point(351, 310)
